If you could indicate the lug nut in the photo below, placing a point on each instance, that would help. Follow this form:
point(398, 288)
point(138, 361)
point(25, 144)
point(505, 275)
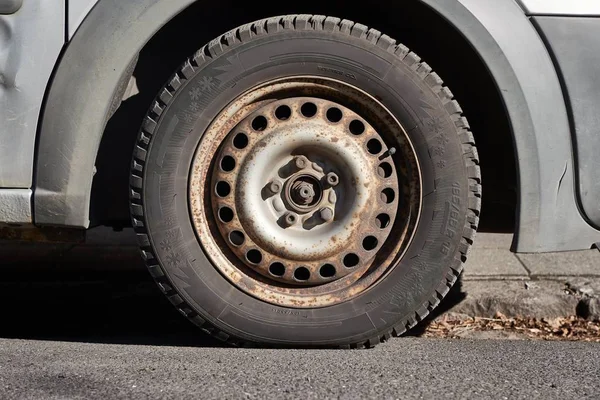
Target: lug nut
point(275, 187)
point(301, 162)
point(332, 179)
point(326, 214)
point(289, 219)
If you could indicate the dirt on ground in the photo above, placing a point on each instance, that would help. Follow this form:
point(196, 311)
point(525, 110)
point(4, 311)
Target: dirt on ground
point(500, 327)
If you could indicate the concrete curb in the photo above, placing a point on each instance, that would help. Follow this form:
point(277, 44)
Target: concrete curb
point(546, 299)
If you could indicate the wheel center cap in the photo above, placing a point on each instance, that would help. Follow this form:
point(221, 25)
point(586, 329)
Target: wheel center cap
point(304, 191)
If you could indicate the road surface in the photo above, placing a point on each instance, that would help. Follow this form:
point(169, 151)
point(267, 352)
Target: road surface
point(98, 329)
point(400, 369)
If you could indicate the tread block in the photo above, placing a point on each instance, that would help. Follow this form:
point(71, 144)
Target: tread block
point(187, 71)
point(165, 97)
point(412, 60)
point(143, 240)
point(155, 271)
point(175, 83)
point(135, 181)
point(137, 210)
point(331, 24)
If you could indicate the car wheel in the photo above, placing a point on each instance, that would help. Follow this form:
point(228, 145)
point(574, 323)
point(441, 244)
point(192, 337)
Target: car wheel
point(305, 181)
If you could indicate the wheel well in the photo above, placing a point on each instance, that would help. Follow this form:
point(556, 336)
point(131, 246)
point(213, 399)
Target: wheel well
point(410, 22)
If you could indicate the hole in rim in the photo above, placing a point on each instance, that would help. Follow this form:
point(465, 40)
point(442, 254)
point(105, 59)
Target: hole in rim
point(259, 123)
point(351, 260)
point(334, 114)
point(327, 271)
point(222, 189)
point(356, 127)
point(385, 170)
point(302, 274)
point(236, 238)
point(308, 110)
point(283, 112)
point(228, 163)
point(225, 214)
point(388, 195)
point(277, 269)
point(382, 221)
point(369, 243)
point(240, 141)
point(374, 146)
point(254, 256)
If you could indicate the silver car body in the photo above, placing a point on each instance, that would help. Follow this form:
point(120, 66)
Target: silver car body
point(54, 106)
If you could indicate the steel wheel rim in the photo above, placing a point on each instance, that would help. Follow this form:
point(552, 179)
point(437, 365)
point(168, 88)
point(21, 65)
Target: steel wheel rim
point(305, 209)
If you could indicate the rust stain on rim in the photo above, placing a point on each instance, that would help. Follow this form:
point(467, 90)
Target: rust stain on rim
point(392, 236)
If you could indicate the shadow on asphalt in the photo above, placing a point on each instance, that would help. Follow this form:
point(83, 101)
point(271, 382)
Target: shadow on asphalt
point(100, 294)
point(47, 294)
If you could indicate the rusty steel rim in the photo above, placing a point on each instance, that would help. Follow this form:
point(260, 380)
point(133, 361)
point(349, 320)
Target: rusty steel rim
point(304, 192)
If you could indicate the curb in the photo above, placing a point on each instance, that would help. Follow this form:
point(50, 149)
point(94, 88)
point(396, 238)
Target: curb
point(541, 299)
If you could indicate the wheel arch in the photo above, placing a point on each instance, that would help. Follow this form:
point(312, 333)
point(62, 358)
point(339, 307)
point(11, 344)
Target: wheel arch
point(81, 99)
point(548, 216)
point(86, 88)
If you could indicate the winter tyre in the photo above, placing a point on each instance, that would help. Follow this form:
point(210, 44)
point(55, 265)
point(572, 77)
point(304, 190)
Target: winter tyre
point(305, 181)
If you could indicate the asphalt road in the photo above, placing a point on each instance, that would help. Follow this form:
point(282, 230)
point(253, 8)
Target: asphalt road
point(112, 335)
point(88, 327)
point(400, 369)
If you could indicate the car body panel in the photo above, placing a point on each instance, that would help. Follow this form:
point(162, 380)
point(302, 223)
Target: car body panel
point(30, 44)
point(561, 7)
point(78, 10)
point(31, 39)
point(575, 45)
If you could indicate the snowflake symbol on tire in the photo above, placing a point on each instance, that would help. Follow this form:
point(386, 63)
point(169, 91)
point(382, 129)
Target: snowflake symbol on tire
point(442, 139)
point(169, 221)
point(206, 84)
point(187, 117)
point(173, 259)
point(172, 233)
point(165, 245)
point(195, 93)
point(194, 106)
point(435, 124)
point(438, 150)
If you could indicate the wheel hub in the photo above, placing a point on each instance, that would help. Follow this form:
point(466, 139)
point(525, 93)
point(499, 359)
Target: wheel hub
point(305, 191)
point(304, 195)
